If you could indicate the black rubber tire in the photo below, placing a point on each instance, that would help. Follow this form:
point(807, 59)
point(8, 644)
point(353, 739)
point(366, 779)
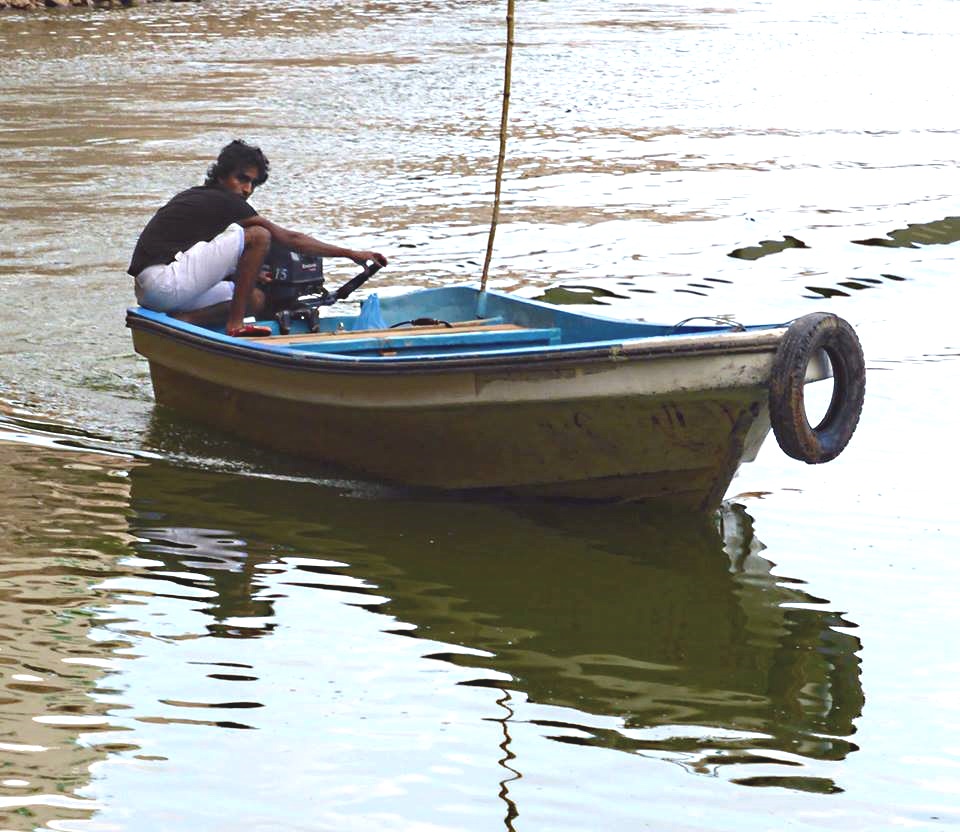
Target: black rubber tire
point(788, 415)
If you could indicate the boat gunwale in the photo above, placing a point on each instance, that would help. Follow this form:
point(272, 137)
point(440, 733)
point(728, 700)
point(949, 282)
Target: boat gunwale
point(764, 338)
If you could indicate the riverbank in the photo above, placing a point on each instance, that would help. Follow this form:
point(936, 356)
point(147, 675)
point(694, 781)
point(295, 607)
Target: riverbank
point(33, 5)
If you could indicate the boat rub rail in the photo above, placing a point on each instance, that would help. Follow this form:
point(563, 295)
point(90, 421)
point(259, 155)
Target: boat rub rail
point(293, 354)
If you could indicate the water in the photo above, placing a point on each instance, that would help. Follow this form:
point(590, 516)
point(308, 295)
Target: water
point(201, 635)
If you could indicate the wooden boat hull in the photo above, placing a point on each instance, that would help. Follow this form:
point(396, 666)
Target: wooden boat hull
point(666, 418)
point(686, 449)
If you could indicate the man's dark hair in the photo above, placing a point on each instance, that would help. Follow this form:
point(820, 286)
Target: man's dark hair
point(236, 156)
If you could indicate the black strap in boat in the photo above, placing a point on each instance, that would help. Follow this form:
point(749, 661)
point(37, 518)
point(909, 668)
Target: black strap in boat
point(423, 322)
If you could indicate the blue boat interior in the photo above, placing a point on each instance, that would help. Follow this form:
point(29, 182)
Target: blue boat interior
point(455, 320)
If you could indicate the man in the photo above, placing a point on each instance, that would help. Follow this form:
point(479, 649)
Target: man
point(199, 257)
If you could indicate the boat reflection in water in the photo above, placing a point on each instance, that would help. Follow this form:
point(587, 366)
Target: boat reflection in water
point(668, 637)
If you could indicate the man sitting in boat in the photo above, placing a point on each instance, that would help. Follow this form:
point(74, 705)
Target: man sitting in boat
point(199, 257)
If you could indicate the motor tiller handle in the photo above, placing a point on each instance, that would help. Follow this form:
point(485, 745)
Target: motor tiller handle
point(353, 284)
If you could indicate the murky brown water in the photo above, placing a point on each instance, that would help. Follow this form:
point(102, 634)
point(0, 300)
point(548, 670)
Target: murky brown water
point(201, 636)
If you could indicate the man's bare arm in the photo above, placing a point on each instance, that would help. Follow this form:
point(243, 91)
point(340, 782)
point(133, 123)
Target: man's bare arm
point(305, 244)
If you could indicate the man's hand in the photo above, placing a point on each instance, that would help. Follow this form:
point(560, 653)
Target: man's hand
point(361, 258)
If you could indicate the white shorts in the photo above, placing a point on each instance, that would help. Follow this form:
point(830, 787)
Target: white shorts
point(196, 277)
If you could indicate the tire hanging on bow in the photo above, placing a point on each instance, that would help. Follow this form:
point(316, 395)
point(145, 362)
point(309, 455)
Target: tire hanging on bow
point(804, 338)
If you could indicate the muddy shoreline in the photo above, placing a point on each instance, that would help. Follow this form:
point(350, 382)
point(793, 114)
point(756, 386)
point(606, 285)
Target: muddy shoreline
point(35, 5)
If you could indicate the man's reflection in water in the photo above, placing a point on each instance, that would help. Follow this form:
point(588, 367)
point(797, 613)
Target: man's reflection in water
point(674, 626)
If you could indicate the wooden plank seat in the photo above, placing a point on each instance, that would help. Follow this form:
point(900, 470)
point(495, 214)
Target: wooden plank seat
point(479, 325)
point(425, 340)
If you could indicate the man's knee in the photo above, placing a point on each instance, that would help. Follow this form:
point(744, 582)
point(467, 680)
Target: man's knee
point(256, 237)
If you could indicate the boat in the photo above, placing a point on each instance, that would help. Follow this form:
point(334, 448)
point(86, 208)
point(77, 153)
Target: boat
point(459, 389)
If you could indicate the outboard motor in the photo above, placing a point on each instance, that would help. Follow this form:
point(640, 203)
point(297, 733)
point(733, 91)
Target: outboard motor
point(294, 287)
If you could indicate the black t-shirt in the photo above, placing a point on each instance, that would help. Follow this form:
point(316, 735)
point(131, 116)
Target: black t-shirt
point(193, 215)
